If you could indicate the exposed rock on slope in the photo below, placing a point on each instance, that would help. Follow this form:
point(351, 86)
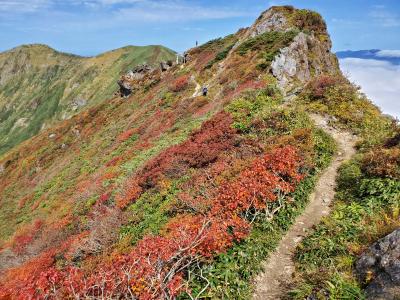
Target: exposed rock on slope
point(379, 266)
point(305, 57)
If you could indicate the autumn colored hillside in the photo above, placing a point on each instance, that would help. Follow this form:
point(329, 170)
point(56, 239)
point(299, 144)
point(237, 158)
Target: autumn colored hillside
point(40, 86)
point(172, 194)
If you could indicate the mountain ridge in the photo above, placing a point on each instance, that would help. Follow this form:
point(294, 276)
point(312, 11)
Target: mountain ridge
point(171, 192)
point(40, 86)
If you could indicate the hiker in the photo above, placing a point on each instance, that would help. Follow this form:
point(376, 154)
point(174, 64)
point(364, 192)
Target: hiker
point(197, 43)
point(205, 91)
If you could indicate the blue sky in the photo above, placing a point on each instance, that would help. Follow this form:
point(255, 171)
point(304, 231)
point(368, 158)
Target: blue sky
point(89, 27)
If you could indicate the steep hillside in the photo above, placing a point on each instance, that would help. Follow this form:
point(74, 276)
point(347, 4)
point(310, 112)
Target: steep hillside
point(169, 193)
point(40, 86)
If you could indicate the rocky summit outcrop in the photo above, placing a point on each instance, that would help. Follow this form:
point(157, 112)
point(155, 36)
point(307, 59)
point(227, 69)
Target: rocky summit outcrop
point(272, 19)
point(379, 268)
point(308, 55)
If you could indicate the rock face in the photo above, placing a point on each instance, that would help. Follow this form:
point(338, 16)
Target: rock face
point(380, 265)
point(307, 56)
point(270, 20)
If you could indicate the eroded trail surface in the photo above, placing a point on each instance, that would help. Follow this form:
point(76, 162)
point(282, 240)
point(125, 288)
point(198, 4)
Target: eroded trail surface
point(279, 267)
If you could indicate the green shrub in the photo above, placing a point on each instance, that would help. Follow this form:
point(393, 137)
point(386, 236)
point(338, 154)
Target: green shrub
point(267, 45)
point(220, 56)
point(245, 108)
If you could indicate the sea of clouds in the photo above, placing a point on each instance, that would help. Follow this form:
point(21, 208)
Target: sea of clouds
point(379, 79)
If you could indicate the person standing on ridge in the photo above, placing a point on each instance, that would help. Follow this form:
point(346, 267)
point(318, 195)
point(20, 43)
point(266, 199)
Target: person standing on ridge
point(185, 57)
point(205, 91)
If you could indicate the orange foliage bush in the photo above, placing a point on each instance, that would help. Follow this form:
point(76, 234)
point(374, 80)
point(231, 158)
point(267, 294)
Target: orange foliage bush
point(131, 192)
point(23, 239)
point(180, 84)
point(126, 135)
point(318, 87)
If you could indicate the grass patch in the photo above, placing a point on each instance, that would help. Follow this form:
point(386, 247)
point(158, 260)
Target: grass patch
point(220, 56)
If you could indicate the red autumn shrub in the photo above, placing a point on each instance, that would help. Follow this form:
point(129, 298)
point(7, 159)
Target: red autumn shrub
point(202, 148)
point(126, 135)
point(22, 240)
point(114, 161)
point(131, 192)
point(180, 84)
point(318, 86)
point(104, 198)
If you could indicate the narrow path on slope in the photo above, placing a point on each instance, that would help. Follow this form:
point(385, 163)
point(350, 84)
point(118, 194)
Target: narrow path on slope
point(279, 267)
point(197, 90)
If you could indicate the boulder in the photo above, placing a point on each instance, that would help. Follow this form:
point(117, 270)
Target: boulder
point(125, 87)
point(379, 268)
point(132, 77)
point(77, 103)
point(165, 65)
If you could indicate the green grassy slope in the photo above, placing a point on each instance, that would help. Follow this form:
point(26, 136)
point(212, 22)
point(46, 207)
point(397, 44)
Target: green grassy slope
point(39, 86)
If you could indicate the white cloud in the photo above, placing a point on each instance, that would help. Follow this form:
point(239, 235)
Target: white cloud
point(385, 18)
point(125, 10)
point(156, 11)
point(389, 53)
point(379, 80)
point(23, 6)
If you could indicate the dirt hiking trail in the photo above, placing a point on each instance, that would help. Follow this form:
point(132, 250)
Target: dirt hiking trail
point(279, 267)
